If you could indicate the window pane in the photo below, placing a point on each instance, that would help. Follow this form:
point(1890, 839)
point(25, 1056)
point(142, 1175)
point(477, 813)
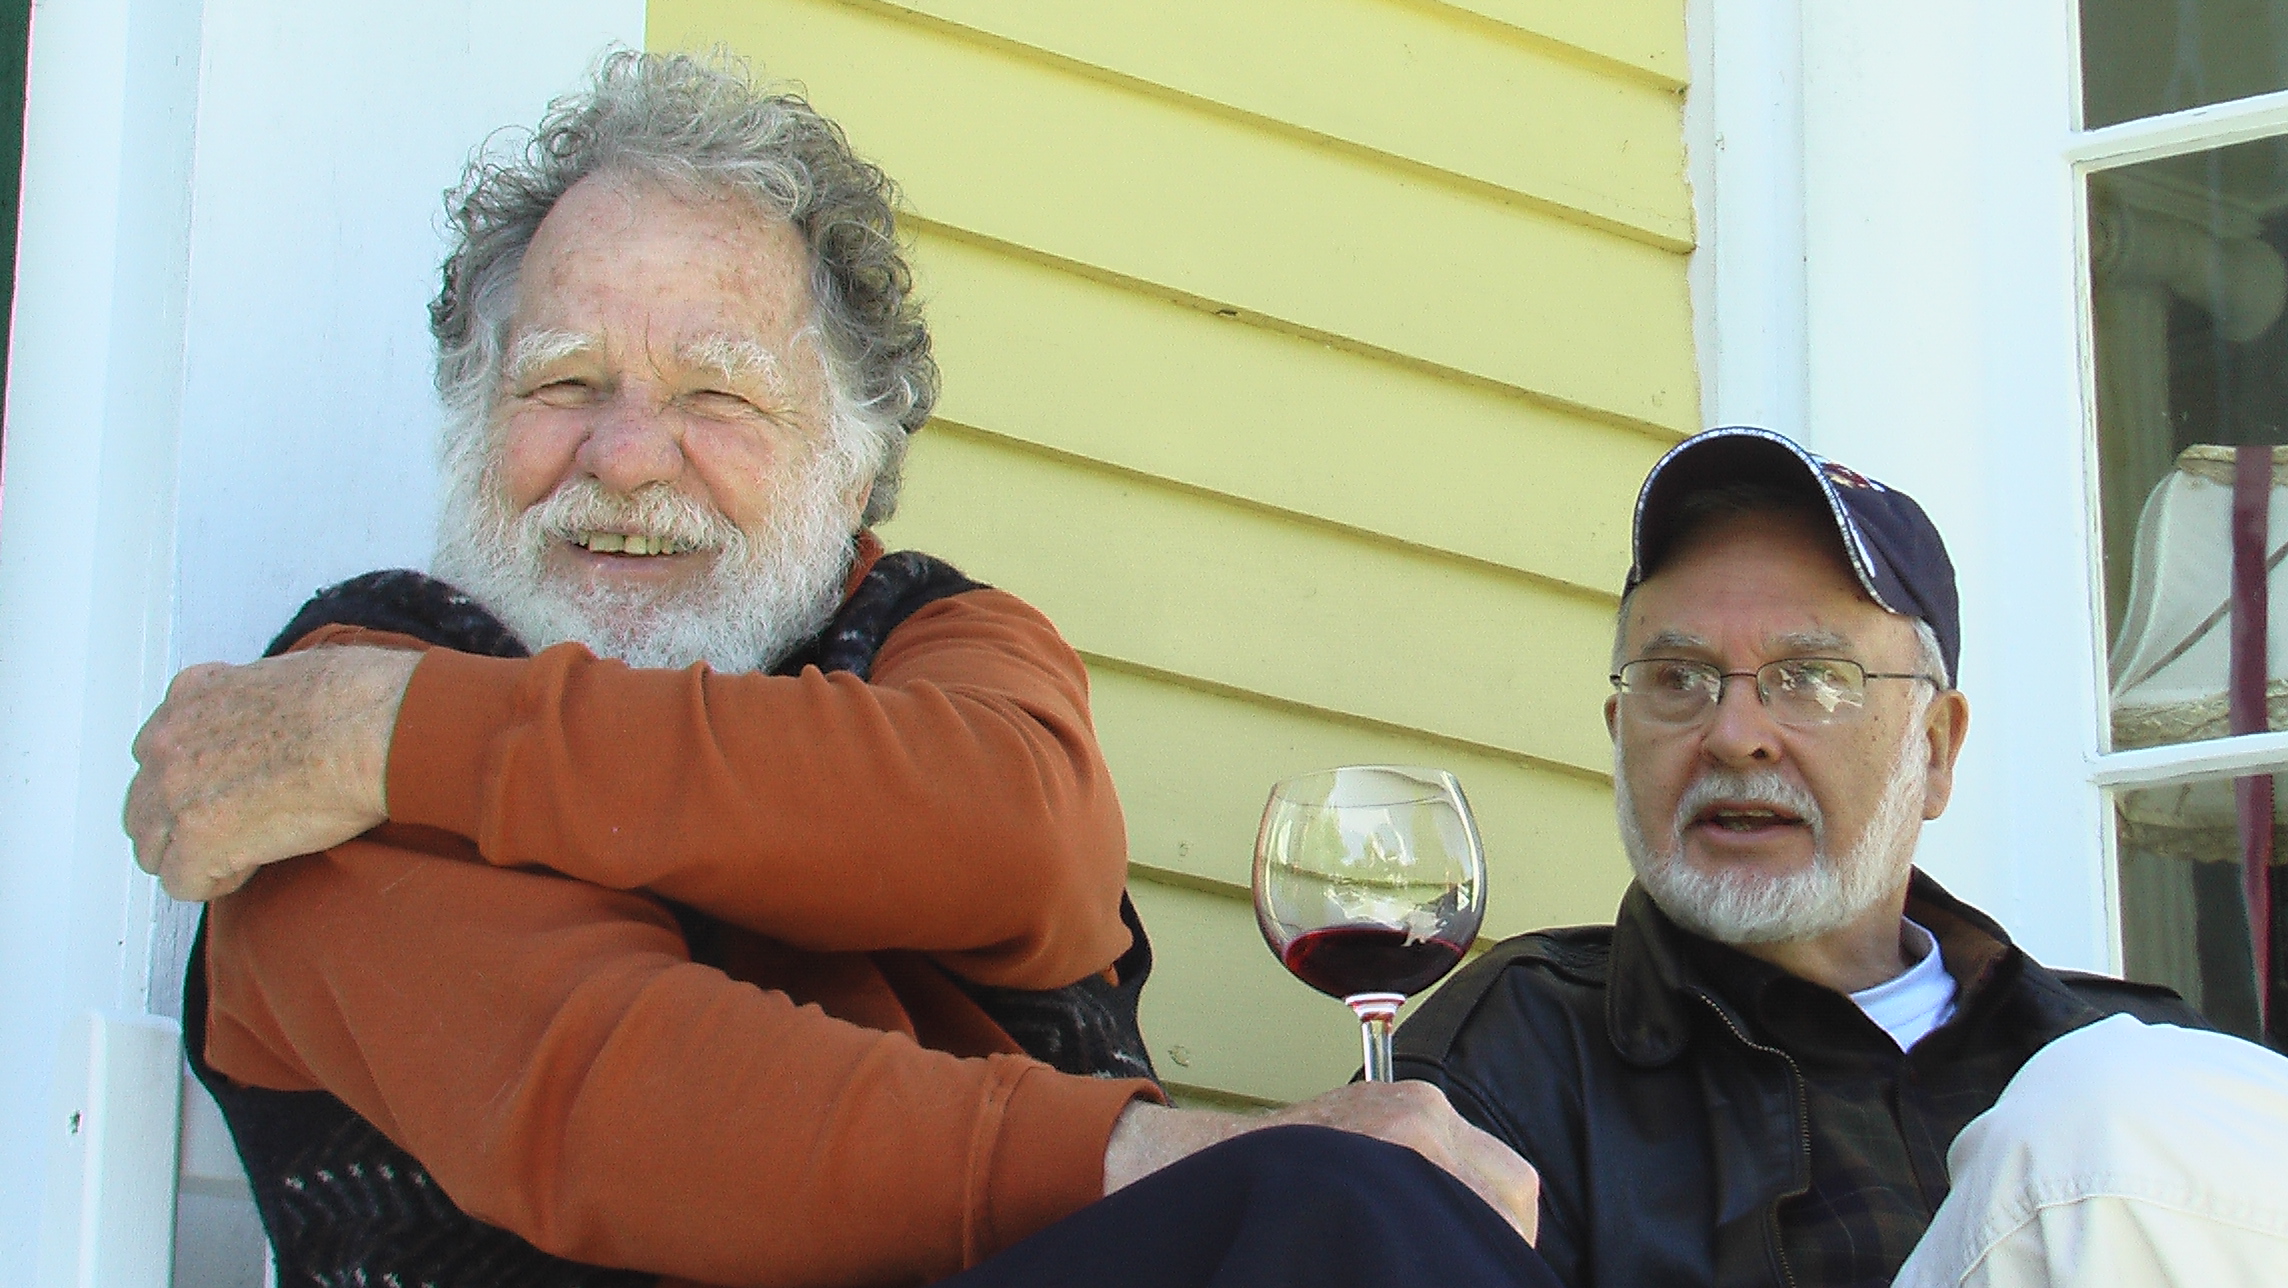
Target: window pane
point(2188, 283)
point(2184, 906)
point(2147, 57)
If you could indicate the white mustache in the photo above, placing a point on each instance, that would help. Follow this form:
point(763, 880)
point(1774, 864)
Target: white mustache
point(656, 511)
point(1762, 787)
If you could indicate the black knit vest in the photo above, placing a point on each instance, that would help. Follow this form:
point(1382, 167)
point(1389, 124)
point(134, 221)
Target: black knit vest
point(344, 1205)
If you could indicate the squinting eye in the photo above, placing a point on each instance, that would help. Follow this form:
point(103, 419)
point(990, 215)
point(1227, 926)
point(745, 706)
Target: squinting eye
point(721, 401)
point(562, 393)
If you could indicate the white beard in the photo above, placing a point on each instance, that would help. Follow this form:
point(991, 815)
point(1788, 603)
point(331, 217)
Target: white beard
point(763, 595)
point(1742, 906)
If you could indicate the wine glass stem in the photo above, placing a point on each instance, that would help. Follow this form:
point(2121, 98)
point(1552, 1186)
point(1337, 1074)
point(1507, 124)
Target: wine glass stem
point(1376, 1012)
point(1375, 1029)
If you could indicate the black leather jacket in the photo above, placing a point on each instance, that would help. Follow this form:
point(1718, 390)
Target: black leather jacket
point(1665, 1134)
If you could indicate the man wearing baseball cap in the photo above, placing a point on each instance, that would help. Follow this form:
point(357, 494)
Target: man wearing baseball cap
point(1792, 1045)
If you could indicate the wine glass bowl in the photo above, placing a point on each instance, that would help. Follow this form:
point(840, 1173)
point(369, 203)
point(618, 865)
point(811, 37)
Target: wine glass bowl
point(1369, 885)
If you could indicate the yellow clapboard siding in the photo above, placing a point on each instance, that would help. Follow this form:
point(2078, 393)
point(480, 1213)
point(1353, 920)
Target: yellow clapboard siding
point(1086, 368)
point(1207, 209)
point(1194, 769)
point(1221, 1012)
point(1644, 34)
point(1187, 584)
point(1577, 137)
point(1302, 359)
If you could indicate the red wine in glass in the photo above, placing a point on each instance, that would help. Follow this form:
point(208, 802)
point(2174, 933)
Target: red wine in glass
point(1369, 885)
point(1342, 960)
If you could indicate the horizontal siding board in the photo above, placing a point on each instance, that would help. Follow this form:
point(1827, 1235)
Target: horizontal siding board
point(1222, 1012)
point(1647, 35)
point(1189, 585)
point(1081, 367)
point(1401, 80)
point(1207, 209)
point(1194, 769)
point(1302, 358)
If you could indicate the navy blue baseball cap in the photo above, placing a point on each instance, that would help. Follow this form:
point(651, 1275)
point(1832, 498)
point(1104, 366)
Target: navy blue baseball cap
point(1887, 539)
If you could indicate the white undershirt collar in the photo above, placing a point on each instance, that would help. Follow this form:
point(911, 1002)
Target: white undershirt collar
point(1909, 1006)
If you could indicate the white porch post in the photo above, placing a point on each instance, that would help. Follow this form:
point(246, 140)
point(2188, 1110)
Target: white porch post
point(86, 559)
point(1887, 270)
point(219, 401)
point(1743, 122)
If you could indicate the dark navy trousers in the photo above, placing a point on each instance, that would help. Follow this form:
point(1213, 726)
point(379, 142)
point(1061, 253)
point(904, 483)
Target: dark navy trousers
point(1283, 1206)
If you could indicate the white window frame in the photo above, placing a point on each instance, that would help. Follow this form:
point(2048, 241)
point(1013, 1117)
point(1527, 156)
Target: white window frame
point(1918, 186)
point(2128, 143)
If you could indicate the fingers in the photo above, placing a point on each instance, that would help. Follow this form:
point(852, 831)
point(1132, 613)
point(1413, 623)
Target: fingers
point(1505, 1181)
point(172, 790)
point(145, 822)
point(1418, 1116)
point(246, 765)
point(192, 881)
point(1148, 1137)
point(1492, 1170)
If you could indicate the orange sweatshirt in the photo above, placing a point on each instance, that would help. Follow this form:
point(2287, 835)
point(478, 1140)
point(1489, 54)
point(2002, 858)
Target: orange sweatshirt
point(484, 979)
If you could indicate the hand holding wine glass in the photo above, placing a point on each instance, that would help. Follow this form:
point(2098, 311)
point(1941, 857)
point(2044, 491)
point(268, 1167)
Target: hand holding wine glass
point(1369, 885)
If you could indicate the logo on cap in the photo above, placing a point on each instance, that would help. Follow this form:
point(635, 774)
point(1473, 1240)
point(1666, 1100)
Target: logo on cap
point(1849, 477)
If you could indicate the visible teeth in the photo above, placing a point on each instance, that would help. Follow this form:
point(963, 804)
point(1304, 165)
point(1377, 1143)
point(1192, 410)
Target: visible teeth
point(616, 543)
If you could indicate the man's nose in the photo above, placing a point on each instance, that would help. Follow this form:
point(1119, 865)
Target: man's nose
point(1741, 730)
point(633, 442)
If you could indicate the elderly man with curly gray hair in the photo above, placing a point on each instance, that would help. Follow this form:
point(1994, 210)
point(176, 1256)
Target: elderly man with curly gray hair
point(675, 885)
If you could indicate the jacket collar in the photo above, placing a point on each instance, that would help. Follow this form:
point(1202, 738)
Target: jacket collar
point(1650, 980)
point(1653, 979)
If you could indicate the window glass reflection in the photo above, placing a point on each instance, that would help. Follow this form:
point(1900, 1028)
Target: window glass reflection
point(2185, 900)
point(2188, 282)
point(2147, 57)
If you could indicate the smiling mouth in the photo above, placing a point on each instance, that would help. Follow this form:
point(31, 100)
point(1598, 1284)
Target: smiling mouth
point(630, 543)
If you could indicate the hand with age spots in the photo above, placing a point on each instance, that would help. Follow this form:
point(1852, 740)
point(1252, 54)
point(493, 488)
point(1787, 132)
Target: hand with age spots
point(246, 765)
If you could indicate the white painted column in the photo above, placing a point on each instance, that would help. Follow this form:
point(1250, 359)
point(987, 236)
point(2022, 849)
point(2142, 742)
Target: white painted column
point(219, 400)
point(1887, 270)
point(110, 1212)
point(86, 544)
point(1941, 245)
point(1744, 125)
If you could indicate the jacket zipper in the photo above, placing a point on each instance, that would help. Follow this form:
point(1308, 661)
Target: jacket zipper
point(1802, 1123)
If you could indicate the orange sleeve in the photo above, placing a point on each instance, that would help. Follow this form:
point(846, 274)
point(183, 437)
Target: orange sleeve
point(544, 1046)
point(955, 804)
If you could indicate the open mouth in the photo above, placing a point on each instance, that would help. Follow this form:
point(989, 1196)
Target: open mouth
point(630, 543)
point(1738, 817)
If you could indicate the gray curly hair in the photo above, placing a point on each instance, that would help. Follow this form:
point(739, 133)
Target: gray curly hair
point(704, 127)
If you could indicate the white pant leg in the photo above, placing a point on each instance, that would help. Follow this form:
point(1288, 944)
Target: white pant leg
point(2121, 1154)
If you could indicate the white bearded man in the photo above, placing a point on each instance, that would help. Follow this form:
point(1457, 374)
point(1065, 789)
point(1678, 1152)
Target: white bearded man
point(679, 888)
point(1792, 1044)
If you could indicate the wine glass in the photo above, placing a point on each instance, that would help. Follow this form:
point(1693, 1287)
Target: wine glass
point(1369, 884)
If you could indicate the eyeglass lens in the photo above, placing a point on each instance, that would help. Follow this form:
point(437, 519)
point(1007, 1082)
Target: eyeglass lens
point(1798, 691)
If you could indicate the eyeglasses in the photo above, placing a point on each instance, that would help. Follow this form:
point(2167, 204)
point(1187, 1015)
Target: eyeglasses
point(1802, 692)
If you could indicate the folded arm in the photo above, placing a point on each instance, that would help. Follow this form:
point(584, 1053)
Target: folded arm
point(549, 1053)
point(956, 804)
